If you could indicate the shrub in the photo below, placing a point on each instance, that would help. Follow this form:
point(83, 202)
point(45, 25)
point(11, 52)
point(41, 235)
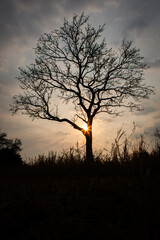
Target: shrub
point(10, 151)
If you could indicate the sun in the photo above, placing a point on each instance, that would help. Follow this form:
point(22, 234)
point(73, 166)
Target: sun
point(85, 127)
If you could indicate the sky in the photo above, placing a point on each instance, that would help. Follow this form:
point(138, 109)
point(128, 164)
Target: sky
point(23, 22)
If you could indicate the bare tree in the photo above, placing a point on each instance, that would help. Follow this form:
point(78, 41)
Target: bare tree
point(77, 63)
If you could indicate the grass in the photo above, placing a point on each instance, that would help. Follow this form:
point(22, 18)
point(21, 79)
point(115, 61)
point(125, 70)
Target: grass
point(63, 197)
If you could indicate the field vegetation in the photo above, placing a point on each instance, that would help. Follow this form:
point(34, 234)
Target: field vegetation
point(64, 197)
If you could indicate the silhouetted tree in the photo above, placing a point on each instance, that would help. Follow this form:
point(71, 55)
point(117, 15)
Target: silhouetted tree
point(9, 151)
point(73, 62)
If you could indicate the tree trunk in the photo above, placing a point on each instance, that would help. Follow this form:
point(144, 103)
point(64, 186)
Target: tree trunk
point(89, 153)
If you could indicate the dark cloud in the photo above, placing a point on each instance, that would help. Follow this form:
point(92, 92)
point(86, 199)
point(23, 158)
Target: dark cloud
point(23, 18)
point(136, 28)
point(21, 24)
point(136, 18)
point(89, 5)
point(145, 10)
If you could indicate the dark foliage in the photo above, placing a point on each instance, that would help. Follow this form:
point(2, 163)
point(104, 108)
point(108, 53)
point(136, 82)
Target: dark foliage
point(9, 151)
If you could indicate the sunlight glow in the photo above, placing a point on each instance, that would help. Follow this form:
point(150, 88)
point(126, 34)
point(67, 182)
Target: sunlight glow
point(85, 127)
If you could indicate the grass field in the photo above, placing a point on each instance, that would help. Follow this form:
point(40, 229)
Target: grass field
point(70, 199)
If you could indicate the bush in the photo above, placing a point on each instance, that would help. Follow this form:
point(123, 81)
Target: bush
point(10, 151)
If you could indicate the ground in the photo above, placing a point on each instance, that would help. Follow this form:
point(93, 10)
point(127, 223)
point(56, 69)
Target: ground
point(114, 201)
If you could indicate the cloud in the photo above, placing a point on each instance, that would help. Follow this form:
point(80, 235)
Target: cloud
point(23, 18)
point(60, 133)
point(154, 63)
point(136, 28)
point(157, 117)
point(90, 6)
point(145, 111)
point(145, 10)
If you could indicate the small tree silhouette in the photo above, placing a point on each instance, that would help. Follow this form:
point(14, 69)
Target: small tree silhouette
point(74, 62)
point(9, 151)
